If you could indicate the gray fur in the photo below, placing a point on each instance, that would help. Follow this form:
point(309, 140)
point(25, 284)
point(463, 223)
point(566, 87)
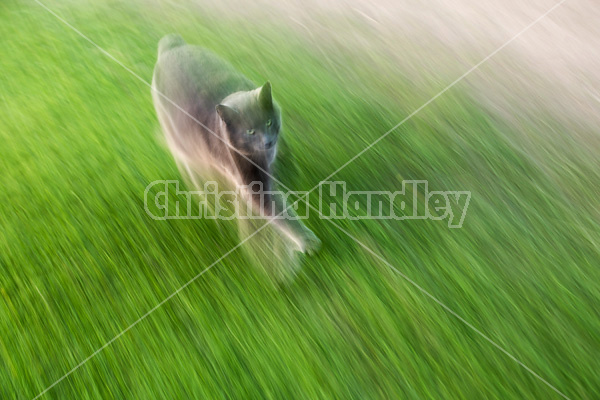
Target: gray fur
point(235, 125)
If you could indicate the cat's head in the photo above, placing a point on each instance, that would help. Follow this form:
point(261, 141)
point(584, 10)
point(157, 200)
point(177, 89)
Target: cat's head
point(252, 120)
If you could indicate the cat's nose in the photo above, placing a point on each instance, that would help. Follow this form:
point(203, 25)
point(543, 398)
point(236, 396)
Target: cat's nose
point(269, 143)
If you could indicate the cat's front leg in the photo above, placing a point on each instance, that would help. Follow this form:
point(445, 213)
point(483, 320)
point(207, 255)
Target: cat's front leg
point(286, 221)
point(310, 243)
point(305, 238)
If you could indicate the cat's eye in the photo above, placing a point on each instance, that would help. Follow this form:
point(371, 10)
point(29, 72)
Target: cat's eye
point(269, 122)
point(250, 131)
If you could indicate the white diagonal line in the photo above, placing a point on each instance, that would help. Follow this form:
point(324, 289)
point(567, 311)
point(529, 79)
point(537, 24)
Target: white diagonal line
point(156, 307)
point(106, 53)
point(468, 324)
point(460, 78)
point(451, 311)
point(468, 72)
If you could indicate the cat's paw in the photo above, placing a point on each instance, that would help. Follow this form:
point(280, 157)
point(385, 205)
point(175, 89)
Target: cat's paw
point(310, 243)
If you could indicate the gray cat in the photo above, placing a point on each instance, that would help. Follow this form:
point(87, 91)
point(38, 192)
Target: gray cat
point(214, 118)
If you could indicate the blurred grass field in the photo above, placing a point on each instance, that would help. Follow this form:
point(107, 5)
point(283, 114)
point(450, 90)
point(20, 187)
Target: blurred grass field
point(80, 260)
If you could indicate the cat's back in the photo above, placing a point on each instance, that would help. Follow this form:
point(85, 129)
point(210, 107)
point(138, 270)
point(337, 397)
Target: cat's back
point(188, 73)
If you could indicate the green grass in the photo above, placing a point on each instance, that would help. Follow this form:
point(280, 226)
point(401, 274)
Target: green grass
point(80, 260)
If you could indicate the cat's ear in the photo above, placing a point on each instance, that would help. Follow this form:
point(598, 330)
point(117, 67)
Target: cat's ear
point(264, 97)
point(227, 114)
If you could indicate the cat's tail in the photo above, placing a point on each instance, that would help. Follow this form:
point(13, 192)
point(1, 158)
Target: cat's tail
point(169, 42)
